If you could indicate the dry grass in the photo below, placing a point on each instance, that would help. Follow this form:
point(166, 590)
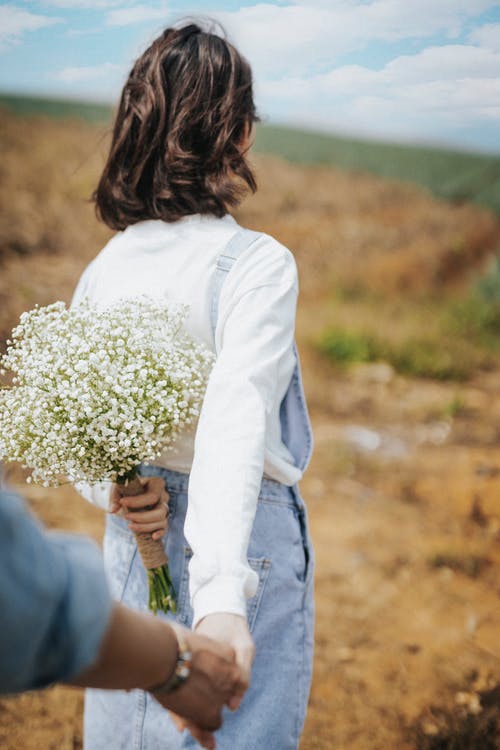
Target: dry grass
point(361, 232)
point(397, 638)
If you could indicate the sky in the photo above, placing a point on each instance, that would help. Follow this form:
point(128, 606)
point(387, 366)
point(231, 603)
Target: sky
point(415, 71)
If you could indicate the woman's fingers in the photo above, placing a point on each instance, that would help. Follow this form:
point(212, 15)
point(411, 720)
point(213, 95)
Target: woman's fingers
point(205, 738)
point(179, 722)
point(154, 521)
point(244, 659)
point(232, 630)
point(147, 528)
point(158, 534)
point(156, 514)
point(153, 487)
point(141, 501)
point(147, 512)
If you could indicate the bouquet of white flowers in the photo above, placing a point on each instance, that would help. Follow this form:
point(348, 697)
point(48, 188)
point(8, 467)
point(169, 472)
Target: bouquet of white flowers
point(97, 392)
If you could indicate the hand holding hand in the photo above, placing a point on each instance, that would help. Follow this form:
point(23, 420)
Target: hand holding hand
point(213, 681)
point(146, 513)
point(233, 631)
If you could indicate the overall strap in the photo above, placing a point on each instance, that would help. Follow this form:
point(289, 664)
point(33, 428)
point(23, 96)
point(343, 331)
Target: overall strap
point(226, 260)
point(294, 419)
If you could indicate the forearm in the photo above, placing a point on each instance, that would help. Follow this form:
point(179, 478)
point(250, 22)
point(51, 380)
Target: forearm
point(137, 651)
point(223, 489)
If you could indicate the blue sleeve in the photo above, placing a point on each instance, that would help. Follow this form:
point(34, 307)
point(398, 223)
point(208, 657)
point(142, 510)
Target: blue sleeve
point(54, 601)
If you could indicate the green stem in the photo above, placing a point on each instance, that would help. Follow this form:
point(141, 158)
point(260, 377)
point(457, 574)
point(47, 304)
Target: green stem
point(161, 590)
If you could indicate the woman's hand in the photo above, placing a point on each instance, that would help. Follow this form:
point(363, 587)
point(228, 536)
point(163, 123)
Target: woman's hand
point(215, 680)
point(146, 513)
point(140, 651)
point(233, 631)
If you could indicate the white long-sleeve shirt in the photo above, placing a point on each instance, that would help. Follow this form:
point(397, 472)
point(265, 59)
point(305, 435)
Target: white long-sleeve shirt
point(238, 436)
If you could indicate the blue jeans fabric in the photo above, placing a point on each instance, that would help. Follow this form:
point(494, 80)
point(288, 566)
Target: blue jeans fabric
point(280, 616)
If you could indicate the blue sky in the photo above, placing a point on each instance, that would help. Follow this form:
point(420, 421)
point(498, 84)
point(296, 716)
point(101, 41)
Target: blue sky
point(401, 70)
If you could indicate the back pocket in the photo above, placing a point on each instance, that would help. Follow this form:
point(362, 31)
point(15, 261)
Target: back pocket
point(262, 566)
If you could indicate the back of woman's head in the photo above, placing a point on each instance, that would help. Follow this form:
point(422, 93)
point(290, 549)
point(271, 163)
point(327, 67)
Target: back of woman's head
point(177, 144)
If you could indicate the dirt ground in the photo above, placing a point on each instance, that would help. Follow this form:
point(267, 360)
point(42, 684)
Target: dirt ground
point(403, 490)
point(407, 540)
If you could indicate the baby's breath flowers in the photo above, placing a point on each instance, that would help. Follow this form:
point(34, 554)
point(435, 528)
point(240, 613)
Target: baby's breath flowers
point(96, 392)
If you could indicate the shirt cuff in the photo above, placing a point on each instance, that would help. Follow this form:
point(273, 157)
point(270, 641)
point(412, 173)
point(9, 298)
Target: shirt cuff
point(221, 594)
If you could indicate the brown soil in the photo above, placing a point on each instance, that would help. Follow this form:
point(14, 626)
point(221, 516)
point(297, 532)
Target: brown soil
point(403, 497)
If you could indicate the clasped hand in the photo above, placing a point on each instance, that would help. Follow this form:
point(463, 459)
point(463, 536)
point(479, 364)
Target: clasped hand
point(146, 513)
point(215, 680)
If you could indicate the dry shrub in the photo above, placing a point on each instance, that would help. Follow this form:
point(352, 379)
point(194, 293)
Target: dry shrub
point(358, 230)
point(473, 723)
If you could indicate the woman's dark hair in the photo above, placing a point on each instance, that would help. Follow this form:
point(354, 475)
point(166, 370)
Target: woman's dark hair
point(177, 139)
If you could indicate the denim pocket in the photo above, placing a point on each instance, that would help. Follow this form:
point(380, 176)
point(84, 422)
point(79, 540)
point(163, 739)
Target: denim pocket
point(261, 566)
point(118, 550)
point(308, 566)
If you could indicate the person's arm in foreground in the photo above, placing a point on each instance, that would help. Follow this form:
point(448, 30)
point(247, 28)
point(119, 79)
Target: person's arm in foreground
point(59, 624)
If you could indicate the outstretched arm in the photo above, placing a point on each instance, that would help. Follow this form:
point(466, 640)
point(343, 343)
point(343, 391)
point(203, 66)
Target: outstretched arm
point(79, 636)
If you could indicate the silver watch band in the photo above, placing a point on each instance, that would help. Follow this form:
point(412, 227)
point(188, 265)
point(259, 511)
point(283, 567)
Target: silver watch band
point(181, 671)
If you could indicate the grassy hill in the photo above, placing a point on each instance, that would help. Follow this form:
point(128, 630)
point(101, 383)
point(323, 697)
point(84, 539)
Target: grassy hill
point(60, 108)
point(452, 175)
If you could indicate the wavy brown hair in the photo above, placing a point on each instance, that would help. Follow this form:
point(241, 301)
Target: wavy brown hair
point(177, 144)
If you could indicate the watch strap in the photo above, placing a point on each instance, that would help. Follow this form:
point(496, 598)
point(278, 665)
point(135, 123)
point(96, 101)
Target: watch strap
point(182, 668)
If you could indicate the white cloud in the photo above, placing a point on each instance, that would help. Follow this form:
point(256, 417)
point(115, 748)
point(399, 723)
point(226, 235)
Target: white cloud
point(437, 91)
point(14, 22)
point(311, 33)
point(487, 36)
point(84, 4)
point(135, 14)
point(102, 72)
point(299, 50)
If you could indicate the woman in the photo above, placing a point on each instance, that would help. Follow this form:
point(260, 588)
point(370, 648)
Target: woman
point(238, 544)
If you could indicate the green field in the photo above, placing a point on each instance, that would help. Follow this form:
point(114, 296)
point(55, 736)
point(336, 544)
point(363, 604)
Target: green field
point(453, 175)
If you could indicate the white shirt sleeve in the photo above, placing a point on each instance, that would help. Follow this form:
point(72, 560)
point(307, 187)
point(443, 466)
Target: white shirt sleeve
point(255, 338)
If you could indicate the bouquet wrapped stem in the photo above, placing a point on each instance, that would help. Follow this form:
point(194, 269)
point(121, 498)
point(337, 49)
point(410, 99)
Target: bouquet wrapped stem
point(154, 558)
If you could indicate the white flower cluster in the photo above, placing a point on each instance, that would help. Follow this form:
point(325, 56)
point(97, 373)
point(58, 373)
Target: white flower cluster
point(96, 392)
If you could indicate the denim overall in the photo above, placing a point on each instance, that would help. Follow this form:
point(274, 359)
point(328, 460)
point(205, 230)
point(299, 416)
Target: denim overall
point(280, 614)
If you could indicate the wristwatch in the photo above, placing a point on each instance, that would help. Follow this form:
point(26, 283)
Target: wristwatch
point(181, 671)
